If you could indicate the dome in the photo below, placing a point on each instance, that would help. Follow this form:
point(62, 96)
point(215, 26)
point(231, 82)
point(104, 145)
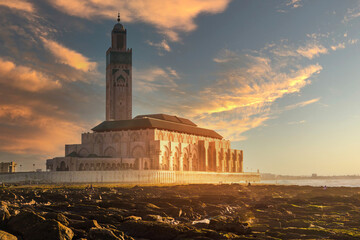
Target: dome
point(118, 27)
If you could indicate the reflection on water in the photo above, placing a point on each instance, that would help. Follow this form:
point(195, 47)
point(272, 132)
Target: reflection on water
point(317, 182)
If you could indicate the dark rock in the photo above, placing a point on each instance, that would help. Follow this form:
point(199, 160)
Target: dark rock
point(31, 226)
point(50, 229)
point(79, 233)
point(102, 234)
point(221, 223)
point(58, 217)
point(84, 225)
point(24, 222)
point(74, 216)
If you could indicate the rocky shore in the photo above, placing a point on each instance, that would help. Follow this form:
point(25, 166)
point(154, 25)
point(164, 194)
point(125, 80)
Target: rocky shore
point(179, 212)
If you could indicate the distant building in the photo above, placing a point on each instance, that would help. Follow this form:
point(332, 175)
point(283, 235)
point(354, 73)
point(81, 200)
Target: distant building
point(146, 142)
point(7, 167)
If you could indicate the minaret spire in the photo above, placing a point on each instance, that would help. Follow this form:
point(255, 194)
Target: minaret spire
point(118, 19)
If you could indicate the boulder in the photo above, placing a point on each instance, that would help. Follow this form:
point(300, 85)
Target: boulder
point(221, 223)
point(7, 236)
point(133, 218)
point(49, 229)
point(58, 217)
point(24, 222)
point(4, 214)
point(31, 226)
point(102, 234)
point(85, 225)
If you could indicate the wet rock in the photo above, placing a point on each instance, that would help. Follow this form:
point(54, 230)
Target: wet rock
point(102, 234)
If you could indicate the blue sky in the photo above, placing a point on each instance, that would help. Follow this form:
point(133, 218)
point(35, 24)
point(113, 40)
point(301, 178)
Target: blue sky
point(280, 79)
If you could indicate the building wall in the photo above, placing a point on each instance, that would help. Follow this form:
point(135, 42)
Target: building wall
point(149, 149)
point(7, 167)
point(129, 176)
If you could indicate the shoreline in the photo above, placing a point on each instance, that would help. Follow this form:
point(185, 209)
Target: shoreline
point(195, 211)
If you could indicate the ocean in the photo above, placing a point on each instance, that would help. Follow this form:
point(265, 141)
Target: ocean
point(316, 182)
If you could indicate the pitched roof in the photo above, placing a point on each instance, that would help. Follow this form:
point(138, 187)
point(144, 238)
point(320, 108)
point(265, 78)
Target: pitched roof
point(157, 121)
point(169, 118)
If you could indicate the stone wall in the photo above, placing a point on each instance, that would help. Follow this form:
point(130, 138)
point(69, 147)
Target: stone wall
point(129, 176)
point(166, 150)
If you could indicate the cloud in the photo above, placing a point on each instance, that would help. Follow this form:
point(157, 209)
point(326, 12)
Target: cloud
point(25, 131)
point(289, 4)
point(168, 17)
point(18, 5)
point(312, 50)
point(155, 79)
point(245, 91)
point(163, 45)
point(233, 129)
point(338, 46)
point(302, 104)
point(297, 122)
point(68, 56)
point(225, 56)
point(25, 78)
point(173, 72)
point(351, 14)
point(257, 83)
point(294, 3)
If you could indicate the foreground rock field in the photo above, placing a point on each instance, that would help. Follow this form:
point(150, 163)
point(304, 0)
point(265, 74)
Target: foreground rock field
point(179, 212)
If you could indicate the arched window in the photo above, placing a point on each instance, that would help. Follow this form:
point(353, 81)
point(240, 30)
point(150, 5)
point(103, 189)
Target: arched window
point(138, 152)
point(110, 152)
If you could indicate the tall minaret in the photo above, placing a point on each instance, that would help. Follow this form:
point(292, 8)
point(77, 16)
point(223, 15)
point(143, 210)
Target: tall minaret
point(118, 76)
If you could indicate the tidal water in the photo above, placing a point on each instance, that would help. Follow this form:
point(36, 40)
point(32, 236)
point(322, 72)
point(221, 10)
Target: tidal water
point(316, 182)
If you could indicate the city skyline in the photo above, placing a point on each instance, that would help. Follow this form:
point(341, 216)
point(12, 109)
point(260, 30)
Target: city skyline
point(277, 78)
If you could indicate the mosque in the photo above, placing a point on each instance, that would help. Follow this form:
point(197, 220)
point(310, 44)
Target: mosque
point(145, 142)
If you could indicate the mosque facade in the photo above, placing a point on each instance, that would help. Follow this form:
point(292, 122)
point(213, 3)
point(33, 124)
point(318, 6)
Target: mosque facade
point(146, 142)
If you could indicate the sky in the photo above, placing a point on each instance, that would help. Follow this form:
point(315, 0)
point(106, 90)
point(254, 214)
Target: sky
point(279, 78)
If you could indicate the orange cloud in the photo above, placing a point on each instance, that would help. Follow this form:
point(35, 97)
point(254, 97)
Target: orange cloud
point(69, 57)
point(169, 17)
point(25, 78)
point(18, 5)
point(25, 131)
point(245, 90)
point(339, 46)
point(242, 97)
point(233, 129)
point(312, 50)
